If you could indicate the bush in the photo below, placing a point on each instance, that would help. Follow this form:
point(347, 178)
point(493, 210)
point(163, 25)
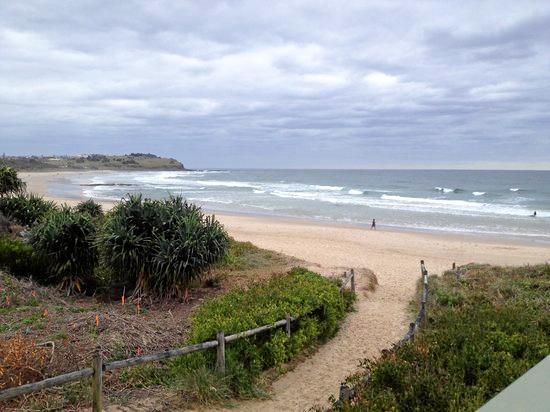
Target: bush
point(9, 181)
point(160, 246)
point(484, 332)
point(65, 240)
point(26, 209)
point(21, 361)
point(19, 259)
point(314, 299)
point(90, 207)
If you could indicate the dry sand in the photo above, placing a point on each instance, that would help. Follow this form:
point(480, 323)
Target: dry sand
point(381, 318)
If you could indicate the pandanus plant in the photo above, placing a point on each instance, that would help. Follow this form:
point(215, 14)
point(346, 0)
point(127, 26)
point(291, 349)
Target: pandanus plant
point(26, 209)
point(10, 182)
point(66, 242)
point(90, 207)
point(160, 246)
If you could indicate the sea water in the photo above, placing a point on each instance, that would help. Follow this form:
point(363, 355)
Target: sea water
point(483, 202)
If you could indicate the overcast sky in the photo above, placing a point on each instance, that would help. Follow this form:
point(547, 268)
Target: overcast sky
point(338, 84)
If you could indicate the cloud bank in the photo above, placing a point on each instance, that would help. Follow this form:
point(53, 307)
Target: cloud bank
point(280, 84)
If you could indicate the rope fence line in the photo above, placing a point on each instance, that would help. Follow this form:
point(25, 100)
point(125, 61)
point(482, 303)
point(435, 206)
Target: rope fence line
point(98, 368)
point(347, 392)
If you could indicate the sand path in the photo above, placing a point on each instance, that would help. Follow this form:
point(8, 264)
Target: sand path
point(380, 318)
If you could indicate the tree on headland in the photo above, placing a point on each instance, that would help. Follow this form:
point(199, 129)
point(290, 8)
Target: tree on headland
point(9, 181)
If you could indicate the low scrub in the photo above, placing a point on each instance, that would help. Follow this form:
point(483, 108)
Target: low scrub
point(26, 209)
point(315, 300)
point(484, 331)
point(19, 259)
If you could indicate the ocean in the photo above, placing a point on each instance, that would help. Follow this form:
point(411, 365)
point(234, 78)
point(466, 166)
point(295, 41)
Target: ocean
point(497, 203)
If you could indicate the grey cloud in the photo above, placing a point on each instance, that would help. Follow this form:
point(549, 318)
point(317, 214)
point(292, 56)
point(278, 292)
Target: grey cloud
point(284, 84)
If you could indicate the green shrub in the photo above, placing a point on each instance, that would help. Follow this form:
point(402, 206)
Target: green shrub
point(19, 259)
point(9, 181)
point(26, 209)
point(65, 240)
point(90, 207)
point(160, 246)
point(484, 332)
point(314, 299)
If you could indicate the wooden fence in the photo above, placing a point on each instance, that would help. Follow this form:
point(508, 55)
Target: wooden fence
point(347, 393)
point(98, 367)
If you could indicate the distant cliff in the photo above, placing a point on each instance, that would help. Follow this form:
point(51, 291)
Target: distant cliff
point(132, 161)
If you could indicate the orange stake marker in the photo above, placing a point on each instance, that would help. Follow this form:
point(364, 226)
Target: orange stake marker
point(138, 308)
point(123, 300)
point(97, 321)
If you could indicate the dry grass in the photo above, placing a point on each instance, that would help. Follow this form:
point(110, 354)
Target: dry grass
point(78, 325)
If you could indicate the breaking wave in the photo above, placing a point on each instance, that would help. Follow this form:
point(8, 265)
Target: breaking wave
point(447, 190)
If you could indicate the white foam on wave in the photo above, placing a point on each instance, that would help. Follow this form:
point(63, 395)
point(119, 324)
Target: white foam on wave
point(325, 187)
point(478, 193)
point(514, 189)
point(257, 191)
point(258, 206)
point(462, 207)
point(211, 200)
point(355, 192)
point(445, 189)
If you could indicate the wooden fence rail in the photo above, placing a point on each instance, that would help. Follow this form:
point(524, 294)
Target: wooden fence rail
point(98, 367)
point(347, 393)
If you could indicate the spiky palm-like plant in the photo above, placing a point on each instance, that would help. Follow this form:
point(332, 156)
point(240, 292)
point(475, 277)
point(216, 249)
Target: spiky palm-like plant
point(90, 207)
point(66, 242)
point(183, 252)
point(26, 209)
point(127, 235)
point(9, 181)
point(160, 246)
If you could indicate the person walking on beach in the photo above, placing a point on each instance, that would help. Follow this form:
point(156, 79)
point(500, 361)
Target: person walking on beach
point(535, 213)
point(373, 225)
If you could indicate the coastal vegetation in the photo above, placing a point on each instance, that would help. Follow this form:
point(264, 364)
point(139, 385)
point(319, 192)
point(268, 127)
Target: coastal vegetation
point(90, 207)
point(9, 181)
point(25, 209)
point(315, 300)
point(487, 326)
point(132, 161)
point(146, 276)
point(65, 240)
point(160, 246)
point(153, 247)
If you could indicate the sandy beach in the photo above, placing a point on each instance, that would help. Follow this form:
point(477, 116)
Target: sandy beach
point(381, 317)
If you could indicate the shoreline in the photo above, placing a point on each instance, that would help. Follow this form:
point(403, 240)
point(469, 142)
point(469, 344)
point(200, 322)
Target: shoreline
point(40, 182)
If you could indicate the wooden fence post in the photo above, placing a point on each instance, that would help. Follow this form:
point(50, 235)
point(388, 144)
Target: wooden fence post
point(287, 317)
point(97, 382)
point(220, 363)
point(454, 265)
point(343, 283)
point(343, 397)
point(352, 281)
